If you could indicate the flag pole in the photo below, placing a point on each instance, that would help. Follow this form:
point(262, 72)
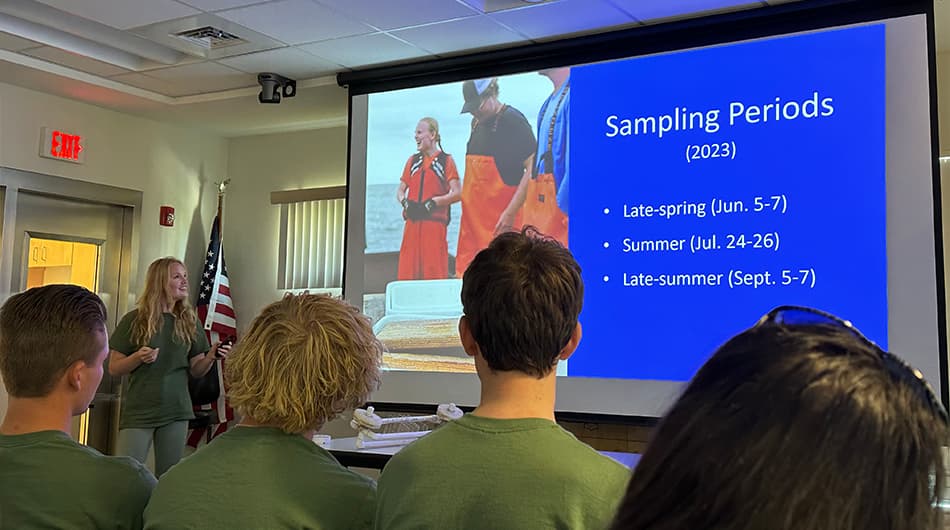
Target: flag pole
point(222, 187)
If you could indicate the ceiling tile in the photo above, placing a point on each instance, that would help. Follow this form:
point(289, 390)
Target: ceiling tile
point(167, 33)
point(364, 50)
point(14, 43)
point(218, 5)
point(72, 60)
point(204, 77)
point(123, 14)
point(288, 62)
point(459, 35)
point(296, 21)
point(562, 18)
point(650, 11)
point(401, 14)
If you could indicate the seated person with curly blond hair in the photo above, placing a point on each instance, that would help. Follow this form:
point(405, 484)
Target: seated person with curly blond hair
point(305, 360)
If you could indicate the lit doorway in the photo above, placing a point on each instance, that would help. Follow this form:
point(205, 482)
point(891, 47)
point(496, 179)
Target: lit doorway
point(59, 261)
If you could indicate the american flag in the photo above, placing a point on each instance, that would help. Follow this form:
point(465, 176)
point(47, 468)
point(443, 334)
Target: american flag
point(216, 313)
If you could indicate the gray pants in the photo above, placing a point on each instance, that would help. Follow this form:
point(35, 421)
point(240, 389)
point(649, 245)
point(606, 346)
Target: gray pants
point(169, 444)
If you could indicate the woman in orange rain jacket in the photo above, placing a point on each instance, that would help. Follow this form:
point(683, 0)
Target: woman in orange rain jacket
point(428, 186)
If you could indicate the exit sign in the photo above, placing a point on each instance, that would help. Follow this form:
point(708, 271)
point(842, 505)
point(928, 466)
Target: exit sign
point(62, 145)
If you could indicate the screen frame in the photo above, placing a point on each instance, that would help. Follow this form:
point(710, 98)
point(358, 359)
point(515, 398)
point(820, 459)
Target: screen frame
point(801, 16)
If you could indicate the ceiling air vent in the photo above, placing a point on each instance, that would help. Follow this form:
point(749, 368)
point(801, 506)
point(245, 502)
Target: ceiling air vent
point(210, 38)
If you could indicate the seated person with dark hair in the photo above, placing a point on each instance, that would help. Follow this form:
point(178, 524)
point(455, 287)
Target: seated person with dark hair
point(53, 343)
point(508, 464)
point(305, 359)
point(799, 423)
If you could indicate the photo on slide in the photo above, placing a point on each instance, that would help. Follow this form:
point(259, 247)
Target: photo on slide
point(481, 134)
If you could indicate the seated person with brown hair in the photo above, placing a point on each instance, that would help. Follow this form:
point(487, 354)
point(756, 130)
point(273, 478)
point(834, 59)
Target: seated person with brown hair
point(305, 359)
point(53, 343)
point(799, 423)
point(508, 464)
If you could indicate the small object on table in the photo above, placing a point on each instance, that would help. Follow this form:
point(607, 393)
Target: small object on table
point(367, 422)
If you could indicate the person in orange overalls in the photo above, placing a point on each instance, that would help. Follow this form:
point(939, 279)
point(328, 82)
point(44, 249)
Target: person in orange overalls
point(546, 195)
point(500, 152)
point(543, 192)
point(428, 186)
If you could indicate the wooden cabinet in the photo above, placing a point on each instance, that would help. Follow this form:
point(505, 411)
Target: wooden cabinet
point(53, 261)
point(36, 253)
point(57, 253)
point(49, 253)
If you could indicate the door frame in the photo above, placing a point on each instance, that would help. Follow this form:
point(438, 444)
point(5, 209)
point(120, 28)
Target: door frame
point(14, 180)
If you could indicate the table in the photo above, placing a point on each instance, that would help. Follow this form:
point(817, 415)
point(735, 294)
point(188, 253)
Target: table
point(345, 450)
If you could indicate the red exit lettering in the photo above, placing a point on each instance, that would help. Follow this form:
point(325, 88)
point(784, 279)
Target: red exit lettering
point(64, 145)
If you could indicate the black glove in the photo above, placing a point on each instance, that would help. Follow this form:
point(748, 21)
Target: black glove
point(405, 203)
point(429, 205)
point(415, 211)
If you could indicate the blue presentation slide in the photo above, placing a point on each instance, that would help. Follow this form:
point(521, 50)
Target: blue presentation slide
point(709, 186)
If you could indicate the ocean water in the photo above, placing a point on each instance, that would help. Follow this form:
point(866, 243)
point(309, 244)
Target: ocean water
point(384, 222)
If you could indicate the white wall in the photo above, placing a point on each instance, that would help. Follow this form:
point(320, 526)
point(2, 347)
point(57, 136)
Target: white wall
point(259, 165)
point(170, 165)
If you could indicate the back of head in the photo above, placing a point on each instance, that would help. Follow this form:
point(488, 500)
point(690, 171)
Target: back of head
point(521, 297)
point(44, 331)
point(802, 428)
point(305, 359)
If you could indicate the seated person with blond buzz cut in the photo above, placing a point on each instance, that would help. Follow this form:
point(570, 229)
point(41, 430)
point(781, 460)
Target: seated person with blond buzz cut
point(305, 360)
point(508, 464)
point(53, 343)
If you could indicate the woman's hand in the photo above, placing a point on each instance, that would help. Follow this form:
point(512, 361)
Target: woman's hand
point(146, 355)
point(221, 350)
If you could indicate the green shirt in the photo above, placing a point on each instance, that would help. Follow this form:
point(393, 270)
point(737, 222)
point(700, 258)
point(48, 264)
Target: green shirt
point(47, 480)
point(260, 477)
point(485, 473)
point(157, 394)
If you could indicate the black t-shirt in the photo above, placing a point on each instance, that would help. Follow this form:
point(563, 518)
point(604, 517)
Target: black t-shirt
point(509, 138)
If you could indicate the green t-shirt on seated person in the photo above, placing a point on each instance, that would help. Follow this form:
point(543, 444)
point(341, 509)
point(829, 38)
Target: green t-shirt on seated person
point(157, 394)
point(261, 477)
point(485, 473)
point(47, 480)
